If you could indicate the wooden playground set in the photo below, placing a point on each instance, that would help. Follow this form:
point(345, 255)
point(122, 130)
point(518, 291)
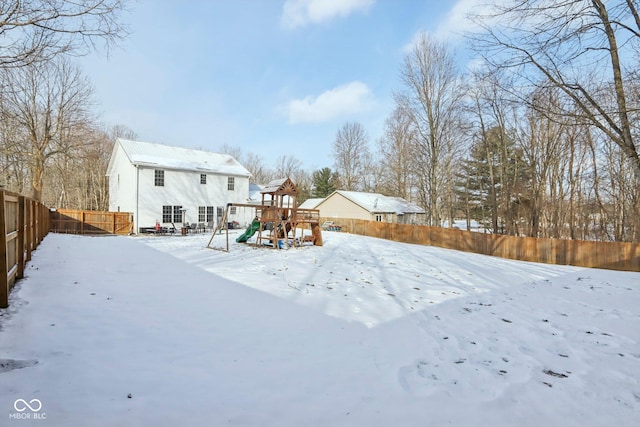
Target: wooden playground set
point(277, 219)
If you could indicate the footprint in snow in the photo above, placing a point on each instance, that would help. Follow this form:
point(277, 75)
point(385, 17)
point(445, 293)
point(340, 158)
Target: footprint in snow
point(7, 365)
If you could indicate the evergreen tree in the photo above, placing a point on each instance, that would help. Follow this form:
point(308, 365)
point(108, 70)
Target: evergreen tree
point(492, 180)
point(324, 182)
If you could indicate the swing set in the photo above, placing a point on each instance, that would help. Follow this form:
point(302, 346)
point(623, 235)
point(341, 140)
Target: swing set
point(277, 219)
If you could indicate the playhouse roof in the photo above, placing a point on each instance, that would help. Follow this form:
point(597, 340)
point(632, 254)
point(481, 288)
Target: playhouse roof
point(165, 156)
point(280, 186)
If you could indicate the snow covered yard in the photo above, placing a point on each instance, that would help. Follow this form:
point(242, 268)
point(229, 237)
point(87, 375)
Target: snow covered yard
point(112, 331)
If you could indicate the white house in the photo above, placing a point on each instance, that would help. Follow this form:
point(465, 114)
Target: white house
point(174, 185)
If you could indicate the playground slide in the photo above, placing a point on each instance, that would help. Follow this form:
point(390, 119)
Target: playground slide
point(250, 231)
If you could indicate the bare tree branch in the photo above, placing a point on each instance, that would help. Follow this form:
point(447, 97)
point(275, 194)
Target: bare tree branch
point(38, 30)
point(578, 46)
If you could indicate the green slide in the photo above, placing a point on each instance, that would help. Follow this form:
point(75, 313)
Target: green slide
point(251, 230)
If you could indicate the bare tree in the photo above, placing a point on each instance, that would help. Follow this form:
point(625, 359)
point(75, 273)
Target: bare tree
point(500, 176)
point(304, 183)
point(542, 141)
point(351, 155)
point(94, 155)
point(76, 178)
point(39, 30)
point(371, 178)
point(396, 156)
point(234, 151)
point(288, 167)
point(620, 195)
point(260, 173)
point(432, 96)
point(255, 164)
point(120, 131)
point(13, 160)
point(49, 103)
point(583, 48)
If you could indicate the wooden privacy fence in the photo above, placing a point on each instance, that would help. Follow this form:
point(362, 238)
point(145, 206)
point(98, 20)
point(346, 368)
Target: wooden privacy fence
point(25, 222)
point(623, 256)
point(90, 222)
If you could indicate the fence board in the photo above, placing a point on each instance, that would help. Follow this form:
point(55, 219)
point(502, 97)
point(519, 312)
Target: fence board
point(4, 267)
point(623, 256)
point(22, 228)
point(91, 222)
point(21, 242)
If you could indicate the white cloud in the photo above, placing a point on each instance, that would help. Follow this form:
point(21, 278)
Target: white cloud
point(415, 40)
point(458, 22)
point(452, 26)
point(298, 13)
point(343, 100)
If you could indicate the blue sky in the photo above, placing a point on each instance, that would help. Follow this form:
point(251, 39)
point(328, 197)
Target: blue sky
point(273, 77)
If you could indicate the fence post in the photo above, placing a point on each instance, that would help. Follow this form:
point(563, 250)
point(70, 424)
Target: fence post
point(29, 231)
point(45, 226)
point(4, 278)
point(22, 206)
point(36, 223)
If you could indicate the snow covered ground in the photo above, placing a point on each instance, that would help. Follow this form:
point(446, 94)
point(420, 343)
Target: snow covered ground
point(118, 331)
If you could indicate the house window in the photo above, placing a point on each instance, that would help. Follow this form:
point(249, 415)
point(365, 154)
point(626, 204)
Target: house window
point(159, 178)
point(166, 213)
point(231, 183)
point(202, 213)
point(232, 210)
point(219, 212)
point(177, 214)
point(379, 218)
point(209, 213)
point(203, 178)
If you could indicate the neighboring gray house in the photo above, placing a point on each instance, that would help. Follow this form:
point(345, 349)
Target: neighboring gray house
point(367, 206)
point(172, 185)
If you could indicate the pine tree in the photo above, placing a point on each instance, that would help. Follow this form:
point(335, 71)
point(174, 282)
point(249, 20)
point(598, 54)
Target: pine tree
point(493, 180)
point(324, 182)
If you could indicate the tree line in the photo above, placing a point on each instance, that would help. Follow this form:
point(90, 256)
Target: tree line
point(539, 138)
point(52, 145)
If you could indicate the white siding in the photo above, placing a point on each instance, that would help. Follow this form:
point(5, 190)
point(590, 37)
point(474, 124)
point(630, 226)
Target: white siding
point(183, 188)
point(122, 183)
point(132, 187)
